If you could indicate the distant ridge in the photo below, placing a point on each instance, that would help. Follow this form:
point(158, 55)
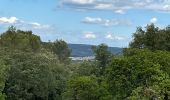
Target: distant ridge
point(84, 50)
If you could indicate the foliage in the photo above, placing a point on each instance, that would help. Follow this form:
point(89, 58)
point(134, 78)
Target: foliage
point(152, 38)
point(34, 76)
point(35, 70)
point(60, 48)
point(3, 74)
point(18, 39)
point(102, 55)
point(138, 72)
point(87, 68)
point(82, 88)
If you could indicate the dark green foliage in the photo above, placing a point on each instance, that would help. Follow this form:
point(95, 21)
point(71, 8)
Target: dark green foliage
point(34, 76)
point(102, 55)
point(60, 48)
point(32, 70)
point(26, 74)
point(152, 38)
point(3, 75)
point(138, 38)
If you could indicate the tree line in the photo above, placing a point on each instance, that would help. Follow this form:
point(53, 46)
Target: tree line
point(34, 70)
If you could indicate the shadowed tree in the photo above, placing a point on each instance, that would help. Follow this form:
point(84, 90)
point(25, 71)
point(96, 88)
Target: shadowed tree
point(61, 49)
point(102, 55)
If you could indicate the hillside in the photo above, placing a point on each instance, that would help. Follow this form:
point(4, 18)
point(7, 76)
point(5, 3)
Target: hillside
point(82, 50)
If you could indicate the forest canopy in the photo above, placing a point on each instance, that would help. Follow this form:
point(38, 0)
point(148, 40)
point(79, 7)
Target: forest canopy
point(34, 70)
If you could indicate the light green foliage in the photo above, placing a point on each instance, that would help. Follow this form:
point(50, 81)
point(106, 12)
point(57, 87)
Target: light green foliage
point(161, 58)
point(158, 91)
point(82, 88)
point(145, 93)
point(139, 70)
point(87, 68)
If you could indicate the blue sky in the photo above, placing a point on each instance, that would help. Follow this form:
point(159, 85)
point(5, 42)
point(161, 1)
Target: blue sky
point(84, 21)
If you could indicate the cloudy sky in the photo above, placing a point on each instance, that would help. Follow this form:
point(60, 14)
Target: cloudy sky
point(84, 21)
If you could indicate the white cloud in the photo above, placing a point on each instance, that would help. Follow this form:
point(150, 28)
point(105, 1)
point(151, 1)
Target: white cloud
point(154, 20)
point(120, 11)
point(79, 1)
point(109, 36)
point(38, 25)
point(92, 20)
point(10, 20)
point(103, 6)
point(22, 24)
point(89, 35)
point(166, 7)
point(118, 6)
point(112, 37)
point(105, 22)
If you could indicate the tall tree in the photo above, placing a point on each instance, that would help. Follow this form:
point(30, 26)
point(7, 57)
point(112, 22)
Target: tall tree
point(152, 38)
point(102, 55)
point(18, 39)
point(138, 38)
point(61, 49)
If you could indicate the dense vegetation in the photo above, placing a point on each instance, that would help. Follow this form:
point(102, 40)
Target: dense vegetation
point(33, 70)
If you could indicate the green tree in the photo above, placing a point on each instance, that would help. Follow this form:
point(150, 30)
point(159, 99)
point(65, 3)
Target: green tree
point(34, 76)
point(18, 39)
point(138, 38)
point(3, 76)
point(8, 38)
point(87, 68)
point(140, 70)
point(61, 49)
point(152, 38)
point(102, 55)
point(82, 88)
point(29, 71)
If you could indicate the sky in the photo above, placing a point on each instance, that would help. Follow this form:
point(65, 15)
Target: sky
point(84, 21)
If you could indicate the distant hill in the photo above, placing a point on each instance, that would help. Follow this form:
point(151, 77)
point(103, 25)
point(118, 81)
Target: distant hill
point(83, 50)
